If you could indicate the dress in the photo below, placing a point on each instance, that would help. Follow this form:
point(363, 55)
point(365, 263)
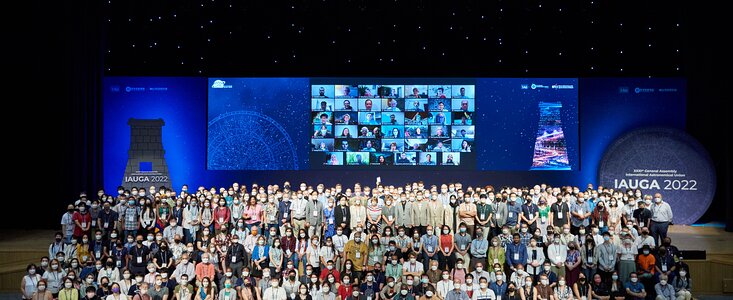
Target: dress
point(374, 213)
point(572, 275)
point(544, 219)
point(328, 215)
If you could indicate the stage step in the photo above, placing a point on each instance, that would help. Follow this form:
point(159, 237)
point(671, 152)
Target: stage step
point(18, 248)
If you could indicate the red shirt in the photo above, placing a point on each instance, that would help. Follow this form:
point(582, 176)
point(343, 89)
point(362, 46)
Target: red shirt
point(221, 213)
point(84, 219)
point(325, 271)
point(345, 290)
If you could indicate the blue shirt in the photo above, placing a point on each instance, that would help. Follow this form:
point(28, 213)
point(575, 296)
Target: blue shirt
point(284, 207)
point(635, 287)
point(521, 254)
point(256, 252)
point(574, 208)
point(513, 212)
point(499, 290)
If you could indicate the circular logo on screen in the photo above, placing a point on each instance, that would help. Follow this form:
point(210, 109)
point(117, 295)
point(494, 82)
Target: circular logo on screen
point(666, 161)
point(249, 140)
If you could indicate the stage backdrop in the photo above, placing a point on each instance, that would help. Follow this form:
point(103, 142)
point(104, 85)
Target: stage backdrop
point(596, 112)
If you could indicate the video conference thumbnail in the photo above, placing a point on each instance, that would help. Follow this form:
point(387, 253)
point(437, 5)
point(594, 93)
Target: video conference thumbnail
point(400, 125)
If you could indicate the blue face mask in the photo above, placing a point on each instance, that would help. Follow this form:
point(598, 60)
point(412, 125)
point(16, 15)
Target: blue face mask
point(131, 202)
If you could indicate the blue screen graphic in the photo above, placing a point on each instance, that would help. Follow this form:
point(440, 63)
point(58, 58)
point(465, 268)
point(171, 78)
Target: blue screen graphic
point(256, 123)
point(607, 108)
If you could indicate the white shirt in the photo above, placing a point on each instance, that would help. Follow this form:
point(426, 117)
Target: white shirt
point(277, 293)
point(444, 287)
point(480, 295)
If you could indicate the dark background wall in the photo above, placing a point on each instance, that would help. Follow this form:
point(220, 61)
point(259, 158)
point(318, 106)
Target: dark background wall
point(60, 57)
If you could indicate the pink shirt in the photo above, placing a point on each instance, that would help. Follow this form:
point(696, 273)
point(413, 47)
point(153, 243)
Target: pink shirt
point(254, 213)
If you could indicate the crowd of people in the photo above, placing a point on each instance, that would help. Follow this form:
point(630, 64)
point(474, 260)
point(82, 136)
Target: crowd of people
point(412, 242)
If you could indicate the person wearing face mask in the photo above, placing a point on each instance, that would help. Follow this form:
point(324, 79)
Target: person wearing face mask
point(183, 291)
point(635, 290)
point(356, 252)
point(205, 269)
point(499, 285)
point(68, 292)
point(642, 215)
point(298, 211)
point(457, 293)
point(41, 291)
point(682, 285)
point(446, 245)
point(519, 276)
point(421, 219)
point(484, 215)
point(207, 291)
point(130, 213)
point(68, 224)
point(535, 258)
point(557, 254)
point(645, 239)
point(157, 290)
point(580, 214)
point(661, 218)
point(325, 293)
point(425, 288)
point(479, 246)
point(172, 230)
point(82, 221)
point(466, 212)
point(271, 216)
point(444, 285)
point(191, 220)
point(646, 266)
point(329, 219)
point(429, 245)
point(357, 213)
point(227, 291)
point(291, 284)
point(483, 292)
point(301, 293)
point(184, 267)
point(572, 263)
point(138, 256)
point(545, 287)
point(516, 252)
point(497, 253)
point(607, 257)
point(562, 291)
point(314, 216)
point(312, 254)
point(222, 215)
point(665, 290)
point(403, 213)
point(412, 267)
point(29, 282)
point(57, 245)
point(235, 256)
point(374, 215)
point(260, 257)
point(582, 288)
point(530, 215)
point(599, 288)
point(342, 214)
point(600, 216)
point(514, 210)
point(275, 292)
point(665, 263)
point(560, 213)
point(54, 277)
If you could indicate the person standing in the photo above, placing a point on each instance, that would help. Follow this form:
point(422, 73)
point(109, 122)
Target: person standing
point(607, 257)
point(314, 215)
point(559, 214)
point(661, 218)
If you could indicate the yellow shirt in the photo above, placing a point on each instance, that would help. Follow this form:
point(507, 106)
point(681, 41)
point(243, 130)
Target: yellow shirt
point(69, 294)
point(357, 253)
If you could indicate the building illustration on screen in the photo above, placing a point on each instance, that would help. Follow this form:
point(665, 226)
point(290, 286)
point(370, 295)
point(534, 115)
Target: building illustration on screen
point(249, 140)
point(550, 150)
point(146, 165)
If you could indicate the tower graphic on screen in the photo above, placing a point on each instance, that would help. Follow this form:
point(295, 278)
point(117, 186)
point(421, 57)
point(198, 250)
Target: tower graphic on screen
point(146, 165)
point(550, 151)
